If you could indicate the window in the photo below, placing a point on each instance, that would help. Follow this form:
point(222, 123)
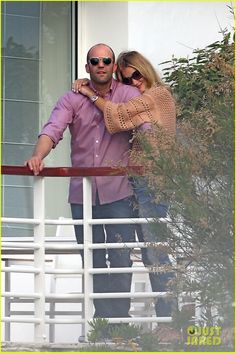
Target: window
point(37, 67)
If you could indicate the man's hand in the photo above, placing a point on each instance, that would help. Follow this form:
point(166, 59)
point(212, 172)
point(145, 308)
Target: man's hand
point(42, 148)
point(35, 164)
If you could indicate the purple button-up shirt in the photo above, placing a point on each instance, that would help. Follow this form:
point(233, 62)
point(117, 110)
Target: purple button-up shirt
point(91, 143)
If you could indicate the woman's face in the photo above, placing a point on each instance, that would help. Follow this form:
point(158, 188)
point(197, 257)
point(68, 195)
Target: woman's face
point(134, 78)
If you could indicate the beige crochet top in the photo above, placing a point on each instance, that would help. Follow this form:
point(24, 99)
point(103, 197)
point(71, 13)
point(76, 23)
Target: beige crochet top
point(155, 105)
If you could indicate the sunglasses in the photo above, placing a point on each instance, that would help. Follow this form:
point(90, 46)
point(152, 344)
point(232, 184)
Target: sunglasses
point(95, 61)
point(136, 75)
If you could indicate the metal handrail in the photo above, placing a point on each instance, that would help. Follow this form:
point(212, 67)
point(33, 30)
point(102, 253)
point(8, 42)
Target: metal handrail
point(72, 171)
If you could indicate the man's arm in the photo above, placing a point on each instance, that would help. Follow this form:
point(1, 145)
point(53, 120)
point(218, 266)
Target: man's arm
point(42, 149)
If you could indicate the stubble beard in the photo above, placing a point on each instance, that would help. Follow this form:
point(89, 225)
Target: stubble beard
point(101, 81)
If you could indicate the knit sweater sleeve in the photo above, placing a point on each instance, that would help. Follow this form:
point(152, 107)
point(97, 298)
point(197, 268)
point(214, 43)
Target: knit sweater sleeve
point(166, 109)
point(129, 115)
point(152, 106)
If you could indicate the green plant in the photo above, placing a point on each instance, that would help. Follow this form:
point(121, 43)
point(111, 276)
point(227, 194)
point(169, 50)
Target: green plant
point(195, 174)
point(125, 331)
point(121, 335)
point(149, 342)
point(99, 330)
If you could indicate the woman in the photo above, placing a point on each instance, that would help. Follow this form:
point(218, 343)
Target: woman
point(155, 106)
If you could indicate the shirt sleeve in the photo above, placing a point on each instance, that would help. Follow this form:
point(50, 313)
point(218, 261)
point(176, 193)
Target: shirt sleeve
point(60, 118)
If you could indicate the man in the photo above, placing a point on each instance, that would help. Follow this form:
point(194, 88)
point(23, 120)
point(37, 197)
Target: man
point(93, 146)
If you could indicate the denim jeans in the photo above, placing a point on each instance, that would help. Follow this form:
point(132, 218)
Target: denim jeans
point(120, 282)
point(151, 256)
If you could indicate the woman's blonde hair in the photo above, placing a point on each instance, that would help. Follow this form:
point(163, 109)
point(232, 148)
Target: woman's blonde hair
point(138, 62)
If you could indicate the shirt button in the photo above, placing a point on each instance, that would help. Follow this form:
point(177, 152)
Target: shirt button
point(97, 141)
point(96, 155)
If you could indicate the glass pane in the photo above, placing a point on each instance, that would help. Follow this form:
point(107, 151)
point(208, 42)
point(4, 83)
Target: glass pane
point(21, 37)
point(17, 230)
point(56, 53)
point(25, 8)
point(22, 79)
point(18, 180)
point(15, 154)
point(36, 68)
point(24, 117)
point(13, 194)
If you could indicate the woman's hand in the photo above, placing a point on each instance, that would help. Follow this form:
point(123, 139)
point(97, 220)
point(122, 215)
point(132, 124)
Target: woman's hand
point(86, 91)
point(82, 86)
point(77, 84)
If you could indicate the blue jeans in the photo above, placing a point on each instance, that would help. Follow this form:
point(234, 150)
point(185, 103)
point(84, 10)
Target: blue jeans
point(151, 256)
point(103, 283)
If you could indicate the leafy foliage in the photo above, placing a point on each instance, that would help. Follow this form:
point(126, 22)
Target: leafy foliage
point(149, 342)
point(195, 174)
point(121, 337)
point(99, 330)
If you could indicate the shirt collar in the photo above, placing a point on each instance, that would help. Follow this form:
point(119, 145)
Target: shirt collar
point(112, 86)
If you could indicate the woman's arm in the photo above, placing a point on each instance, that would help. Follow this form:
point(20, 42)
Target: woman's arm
point(88, 92)
point(155, 105)
point(122, 116)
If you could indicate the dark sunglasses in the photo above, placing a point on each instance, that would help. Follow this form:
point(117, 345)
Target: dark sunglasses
point(95, 61)
point(136, 75)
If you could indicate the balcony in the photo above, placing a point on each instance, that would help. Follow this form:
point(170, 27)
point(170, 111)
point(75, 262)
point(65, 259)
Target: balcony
point(36, 250)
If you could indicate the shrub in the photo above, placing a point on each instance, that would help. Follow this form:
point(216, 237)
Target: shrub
point(195, 174)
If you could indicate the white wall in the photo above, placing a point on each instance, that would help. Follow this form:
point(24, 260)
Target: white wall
point(162, 29)
point(101, 22)
point(158, 29)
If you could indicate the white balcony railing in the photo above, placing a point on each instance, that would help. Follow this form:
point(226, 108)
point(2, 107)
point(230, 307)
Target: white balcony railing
point(39, 246)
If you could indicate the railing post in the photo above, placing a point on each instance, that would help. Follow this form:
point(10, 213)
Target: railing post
point(39, 258)
point(88, 262)
point(7, 302)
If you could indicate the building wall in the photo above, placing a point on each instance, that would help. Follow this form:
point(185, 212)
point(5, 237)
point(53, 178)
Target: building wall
point(161, 29)
point(101, 22)
point(158, 29)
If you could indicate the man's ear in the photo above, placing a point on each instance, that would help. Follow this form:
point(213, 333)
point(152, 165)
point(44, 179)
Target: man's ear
point(87, 68)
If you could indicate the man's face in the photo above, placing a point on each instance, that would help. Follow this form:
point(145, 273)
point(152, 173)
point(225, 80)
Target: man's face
point(102, 70)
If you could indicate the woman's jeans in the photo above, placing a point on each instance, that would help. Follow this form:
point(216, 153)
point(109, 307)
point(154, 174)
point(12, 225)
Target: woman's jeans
point(106, 283)
point(151, 256)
